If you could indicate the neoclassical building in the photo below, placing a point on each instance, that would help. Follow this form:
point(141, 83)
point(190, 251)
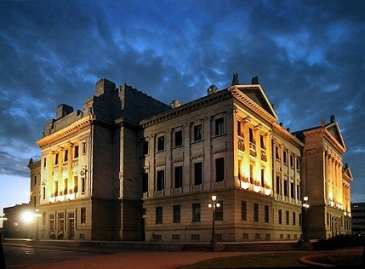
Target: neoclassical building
point(128, 167)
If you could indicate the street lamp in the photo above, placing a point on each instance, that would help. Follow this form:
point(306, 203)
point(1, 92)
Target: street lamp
point(213, 204)
point(305, 206)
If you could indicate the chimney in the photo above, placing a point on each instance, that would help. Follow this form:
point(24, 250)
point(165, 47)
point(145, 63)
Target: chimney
point(323, 123)
point(332, 119)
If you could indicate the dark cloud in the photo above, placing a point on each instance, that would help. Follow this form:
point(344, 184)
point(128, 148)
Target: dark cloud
point(309, 57)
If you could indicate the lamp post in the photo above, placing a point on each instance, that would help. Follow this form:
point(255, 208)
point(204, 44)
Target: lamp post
point(305, 206)
point(213, 204)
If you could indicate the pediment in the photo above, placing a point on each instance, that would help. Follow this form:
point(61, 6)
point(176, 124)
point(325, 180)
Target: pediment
point(335, 132)
point(257, 94)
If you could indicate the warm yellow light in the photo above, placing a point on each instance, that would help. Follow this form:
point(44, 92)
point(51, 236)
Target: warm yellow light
point(245, 185)
point(305, 198)
point(27, 216)
point(214, 198)
point(257, 188)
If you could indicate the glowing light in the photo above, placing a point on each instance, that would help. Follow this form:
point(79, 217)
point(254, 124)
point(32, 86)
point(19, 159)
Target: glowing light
point(245, 185)
point(257, 188)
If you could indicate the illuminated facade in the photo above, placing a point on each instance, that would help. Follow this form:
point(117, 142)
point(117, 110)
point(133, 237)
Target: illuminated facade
point(128, 167)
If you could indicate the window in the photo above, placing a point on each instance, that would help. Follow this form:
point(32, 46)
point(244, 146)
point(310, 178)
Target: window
point(65, 183)
point(178, 138)
point(266, 213)
point(175, 237)
point(262, 142)
point(251, 136)
point(176, 214)
point(251, 174)
point(294, 218)
point(298, 164)
point(178, 176)
point(195, 237)
point(56, 188)
point(292, 160)
point(219, 126)
point(76, 152)
point(196, 212)
point(255, 212)
point(145, 147)
point(83, 147)
point(219, 169)
point(277, 152)
point(285, 187)
point(287, 217)
point(44, 162)
point(239, 128)
point(65, 156)
point(280, 216)
point(278, 185)
point(198, 173)
point(243, 210)
point(44, 193)
point(262, 177)
point(35, 180)
point(292, 189)
point(219, 211)
point(160, 180)
point(198, 135)
point(144, 182)
point(158, 215)
point(160, 143)
point(76, 184)
point(83, 214)
point(56, 159)
point(285, 156)
point(83, 185)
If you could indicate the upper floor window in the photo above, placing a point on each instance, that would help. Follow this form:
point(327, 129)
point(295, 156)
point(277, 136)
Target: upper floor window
point(56, 158)
point(160, 180)
point(160, 143)
point(178, 138)
point(251, 135)
point(178, 176)
point(292, 158)
point(255, 212)
point(277, 152)
point(198, 132)
point(219, 169)
point(44, 162)
point(239, 128)
point(219, 126)
point(262, 142)
point(83, 147)
point(198, 173)
point(76, 152)
point(65, 156)
point(145, 147)
point(285, 156)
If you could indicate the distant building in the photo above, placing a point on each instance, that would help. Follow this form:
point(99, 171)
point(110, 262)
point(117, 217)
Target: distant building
point(358, 218)
point(128, 167)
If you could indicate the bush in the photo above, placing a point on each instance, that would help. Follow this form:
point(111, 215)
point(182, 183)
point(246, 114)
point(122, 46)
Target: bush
point(340, 241)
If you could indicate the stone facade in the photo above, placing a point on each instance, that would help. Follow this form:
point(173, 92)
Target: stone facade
point(128, 167)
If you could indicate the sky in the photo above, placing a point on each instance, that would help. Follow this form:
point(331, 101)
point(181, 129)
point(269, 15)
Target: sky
point(309, 57)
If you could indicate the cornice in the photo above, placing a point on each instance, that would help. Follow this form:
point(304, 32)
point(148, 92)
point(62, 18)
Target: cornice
point(323, 132)
point(71, 129)
point(192, 106)
point(277, 128)
point(244, 99)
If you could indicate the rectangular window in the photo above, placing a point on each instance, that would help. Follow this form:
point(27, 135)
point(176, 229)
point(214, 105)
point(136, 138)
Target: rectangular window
point(195, 237)
point(219, 169)
point(83, 185)
point(219, 126)
point(285, 156)
point(65, 184)
point(144, 182)
point(44, 193)
point(196, 212)
point(83, 147)
point(198, 132)
point(287, 217)
point(243, 210)
point(145, 147)
point(278, 185)
point(83, 215)
point(262, 142)
point(285, 187)
point(160, 143)
point(277, 152)
point(267, 213)
point(178, 138)
point(239, 129)
point(158, 215)
point(76, 152)
point(175, 237)
point(280, 216)
point(198, 173)
point(251, 136)
point(262, 177)
point(44, 162)
point(219, 211)
point(35, 180)
point(56, 159)
point(292, 189)
point(65, 156)
point(160, 180)
point(178, 176)
point(294, 218)
point(176, 213)
point(255, 212)
point(76, 184)
point(292, 160)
